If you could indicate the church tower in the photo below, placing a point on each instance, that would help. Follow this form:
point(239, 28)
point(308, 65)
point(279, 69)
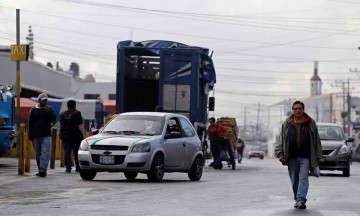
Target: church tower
point(315, 82)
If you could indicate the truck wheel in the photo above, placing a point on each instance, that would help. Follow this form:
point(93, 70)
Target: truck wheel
point(196, 170)
point(87, 174)
point(131, 175)
point(156, 172)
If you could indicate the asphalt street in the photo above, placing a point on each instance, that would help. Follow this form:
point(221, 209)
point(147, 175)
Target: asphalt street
point(256, 187)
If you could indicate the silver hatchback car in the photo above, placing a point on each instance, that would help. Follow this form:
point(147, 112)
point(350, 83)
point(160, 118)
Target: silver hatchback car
point(143, 142)
point(337, 154)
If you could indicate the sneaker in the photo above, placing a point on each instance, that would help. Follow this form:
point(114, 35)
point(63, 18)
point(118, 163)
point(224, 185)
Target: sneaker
point(297, 204)
point(211, 164)
point(68, 170)
point(41, 174)
point(302, 205)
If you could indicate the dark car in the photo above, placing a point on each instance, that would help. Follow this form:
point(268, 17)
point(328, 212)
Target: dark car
point(337, 155)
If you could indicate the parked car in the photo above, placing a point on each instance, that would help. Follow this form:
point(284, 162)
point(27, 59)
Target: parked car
point(143, 142)
point(255, 152)
point(337, 155)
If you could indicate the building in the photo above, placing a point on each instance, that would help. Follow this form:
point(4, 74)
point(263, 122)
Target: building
point(315, 82)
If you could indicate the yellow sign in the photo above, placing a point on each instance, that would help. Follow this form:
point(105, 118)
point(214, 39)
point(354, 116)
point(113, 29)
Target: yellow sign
point(19, 52)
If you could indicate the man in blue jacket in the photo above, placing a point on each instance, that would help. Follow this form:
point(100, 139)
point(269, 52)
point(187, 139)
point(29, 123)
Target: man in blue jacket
point(40, 119)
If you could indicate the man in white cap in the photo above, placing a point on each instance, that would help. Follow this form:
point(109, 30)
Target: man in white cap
point(40, 119)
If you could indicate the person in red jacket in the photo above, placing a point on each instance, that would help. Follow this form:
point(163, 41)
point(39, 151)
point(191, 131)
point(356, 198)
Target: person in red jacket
point(216, 137)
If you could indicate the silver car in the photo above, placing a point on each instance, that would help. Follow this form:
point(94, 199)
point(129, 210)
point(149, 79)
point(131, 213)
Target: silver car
point(143, 142)
point(337, 154)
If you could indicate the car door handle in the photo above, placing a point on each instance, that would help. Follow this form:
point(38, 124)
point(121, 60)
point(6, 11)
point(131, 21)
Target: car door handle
point(184, 144)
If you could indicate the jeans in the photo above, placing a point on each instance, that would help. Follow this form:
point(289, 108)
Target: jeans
point(42, 152)
point(299, 175)
point(68, 147)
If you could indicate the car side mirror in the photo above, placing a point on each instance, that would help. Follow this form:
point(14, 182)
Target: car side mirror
point(173, 135)
point(350, 139)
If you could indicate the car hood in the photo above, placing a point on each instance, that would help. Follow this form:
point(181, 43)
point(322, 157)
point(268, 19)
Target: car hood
point(331, 144)
point(114, 140)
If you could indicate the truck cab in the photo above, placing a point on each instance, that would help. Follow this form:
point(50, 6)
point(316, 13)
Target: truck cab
point(169, 74)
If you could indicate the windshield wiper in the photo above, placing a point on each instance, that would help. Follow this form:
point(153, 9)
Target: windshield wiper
point(110, 132)
point(129, 132)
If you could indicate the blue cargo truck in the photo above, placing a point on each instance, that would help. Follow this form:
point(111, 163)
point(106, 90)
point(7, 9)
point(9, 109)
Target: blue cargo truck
point(169, 74)
point(7, 123)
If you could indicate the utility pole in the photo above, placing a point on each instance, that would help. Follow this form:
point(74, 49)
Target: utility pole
point(257, 124)
point(345, 114)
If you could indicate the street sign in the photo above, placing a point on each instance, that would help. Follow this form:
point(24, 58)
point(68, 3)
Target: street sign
point(19, 52)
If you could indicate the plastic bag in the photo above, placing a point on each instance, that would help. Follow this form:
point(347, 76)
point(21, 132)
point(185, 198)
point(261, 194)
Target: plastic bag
point(316, 172)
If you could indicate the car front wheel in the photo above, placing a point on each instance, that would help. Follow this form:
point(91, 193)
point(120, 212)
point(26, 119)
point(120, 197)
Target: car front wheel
point(196, 170)
point(87, 174)
point(346, 172)
point(156, 172)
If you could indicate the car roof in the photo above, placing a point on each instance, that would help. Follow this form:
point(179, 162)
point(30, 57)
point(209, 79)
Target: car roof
point(328, 124)
point(160, 114)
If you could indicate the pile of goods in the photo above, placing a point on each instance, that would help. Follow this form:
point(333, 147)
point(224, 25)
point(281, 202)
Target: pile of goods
point(232, 131)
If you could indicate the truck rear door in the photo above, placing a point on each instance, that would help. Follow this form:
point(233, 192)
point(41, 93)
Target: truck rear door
point(179, 81)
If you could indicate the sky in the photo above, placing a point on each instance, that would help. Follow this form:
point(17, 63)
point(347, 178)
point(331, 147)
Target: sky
point(263, 50)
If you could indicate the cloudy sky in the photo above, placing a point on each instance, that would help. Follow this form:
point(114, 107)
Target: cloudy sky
point(264, 50)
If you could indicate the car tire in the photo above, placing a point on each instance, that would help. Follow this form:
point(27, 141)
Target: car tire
point(346, 172)
point(131, 175)
point(87, 175)
point(196, 170)
point(157, 170)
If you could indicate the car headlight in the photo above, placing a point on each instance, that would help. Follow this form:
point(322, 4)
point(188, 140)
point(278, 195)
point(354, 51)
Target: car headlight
point(344, 150)
point(141, 147)
point(84, 146)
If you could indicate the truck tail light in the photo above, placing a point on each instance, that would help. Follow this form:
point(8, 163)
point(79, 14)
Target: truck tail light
point(2, 122)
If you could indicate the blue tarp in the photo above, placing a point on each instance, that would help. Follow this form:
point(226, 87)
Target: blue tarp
point(154, 47)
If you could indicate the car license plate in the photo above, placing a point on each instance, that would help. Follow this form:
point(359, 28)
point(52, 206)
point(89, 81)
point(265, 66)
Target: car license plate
point(107, 160)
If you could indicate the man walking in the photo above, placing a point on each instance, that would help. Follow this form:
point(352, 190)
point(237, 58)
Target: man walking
point(40, 119)
point(71, 132)
point(299, 147)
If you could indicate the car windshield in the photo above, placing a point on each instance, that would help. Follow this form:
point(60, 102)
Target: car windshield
point(330, 133)
point(135, 125)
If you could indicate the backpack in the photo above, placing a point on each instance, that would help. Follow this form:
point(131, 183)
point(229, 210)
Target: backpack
point(67, 126)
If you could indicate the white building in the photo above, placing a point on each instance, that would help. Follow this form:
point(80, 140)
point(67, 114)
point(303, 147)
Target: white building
point(36, 78)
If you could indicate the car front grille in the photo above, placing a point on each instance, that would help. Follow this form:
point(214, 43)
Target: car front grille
point(109, 147)
point(119, 159)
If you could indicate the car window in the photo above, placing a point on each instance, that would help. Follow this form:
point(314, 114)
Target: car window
point(173, 125)
point(330, 133)
point(187, 128)
point(135, 125)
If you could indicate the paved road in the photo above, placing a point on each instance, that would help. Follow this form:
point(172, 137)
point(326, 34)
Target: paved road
point(256, 187)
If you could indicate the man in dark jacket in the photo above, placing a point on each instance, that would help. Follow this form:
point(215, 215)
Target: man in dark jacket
point(71, 132)
point(299, 147)
point(40, 119)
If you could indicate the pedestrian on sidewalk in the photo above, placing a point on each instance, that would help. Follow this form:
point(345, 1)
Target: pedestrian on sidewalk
point(299, 148)
point(40, 118)
point(71, 133)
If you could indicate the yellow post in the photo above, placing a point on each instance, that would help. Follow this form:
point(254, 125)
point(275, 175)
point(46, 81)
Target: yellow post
point(53, 149)
point(27, 151)
point(21, 152)
point(62, 163)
